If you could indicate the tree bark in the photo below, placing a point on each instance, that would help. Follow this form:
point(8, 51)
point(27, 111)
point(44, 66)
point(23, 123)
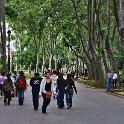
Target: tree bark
point(3, 35)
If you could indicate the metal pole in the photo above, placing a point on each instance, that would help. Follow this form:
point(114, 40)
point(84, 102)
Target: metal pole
point(9, 32)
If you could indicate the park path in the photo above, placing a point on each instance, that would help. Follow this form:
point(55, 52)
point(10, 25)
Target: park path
point(90, 106)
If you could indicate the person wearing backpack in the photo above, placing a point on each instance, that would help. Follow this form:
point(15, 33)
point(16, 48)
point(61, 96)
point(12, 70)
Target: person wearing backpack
point(35, 84)
point(21, 87)
point(2, 78)
point(7, 88)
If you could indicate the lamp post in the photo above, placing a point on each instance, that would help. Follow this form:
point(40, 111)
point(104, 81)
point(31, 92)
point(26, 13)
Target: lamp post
point(9, 32)
point(77, 48)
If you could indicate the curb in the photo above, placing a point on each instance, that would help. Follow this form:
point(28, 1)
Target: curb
point(87, 86)
point(120, 96)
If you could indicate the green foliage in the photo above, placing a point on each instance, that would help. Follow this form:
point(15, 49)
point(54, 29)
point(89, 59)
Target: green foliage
point(92, 83)
point(57, 21)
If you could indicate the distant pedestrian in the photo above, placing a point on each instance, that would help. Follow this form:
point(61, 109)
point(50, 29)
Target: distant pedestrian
point(35, 84)
point(21, 87)
point(54, 78)
point(46, 88)
point(57, 71)
point(7, 87)
point(70, 85)
point(109, 80)
point(115, 78)
point(2, 78)
point(15, 77)
point(61, 89)
point(72, 74)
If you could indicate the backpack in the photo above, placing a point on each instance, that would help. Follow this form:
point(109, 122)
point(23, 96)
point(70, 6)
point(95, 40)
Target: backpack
point(21, 83)
point(7, 85)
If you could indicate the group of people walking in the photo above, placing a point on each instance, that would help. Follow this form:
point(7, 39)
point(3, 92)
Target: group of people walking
point(52, 85)
point(10, 83)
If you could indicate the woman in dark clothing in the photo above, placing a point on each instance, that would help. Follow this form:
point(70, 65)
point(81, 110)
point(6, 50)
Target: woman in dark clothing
point(70, 85)
point(61, 88)
point(46, 88)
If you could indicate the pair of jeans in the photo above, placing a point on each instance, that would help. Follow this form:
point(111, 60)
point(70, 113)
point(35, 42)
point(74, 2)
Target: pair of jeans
point(21, 96)
point(35, 99)
point(7, 95)
point(45, 102)
point(60, 99)
point(108, 85)
point(69, 96)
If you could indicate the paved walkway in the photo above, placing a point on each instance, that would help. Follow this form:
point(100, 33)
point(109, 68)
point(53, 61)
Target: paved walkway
point(90, 106)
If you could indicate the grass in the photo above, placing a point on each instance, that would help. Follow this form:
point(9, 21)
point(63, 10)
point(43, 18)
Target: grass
point(99, 84)
point(120, 93)
point(93, 83)
point(28, 76)
point(122, 77)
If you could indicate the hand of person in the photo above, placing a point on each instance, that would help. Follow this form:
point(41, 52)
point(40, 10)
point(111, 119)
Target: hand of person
point(39, 96)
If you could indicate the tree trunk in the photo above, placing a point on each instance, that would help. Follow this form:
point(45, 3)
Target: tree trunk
point(50, 54)
point(43, 54)
point(107, 42)
point(3, 35)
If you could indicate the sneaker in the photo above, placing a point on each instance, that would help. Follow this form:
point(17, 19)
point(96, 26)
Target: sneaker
point(35, 109)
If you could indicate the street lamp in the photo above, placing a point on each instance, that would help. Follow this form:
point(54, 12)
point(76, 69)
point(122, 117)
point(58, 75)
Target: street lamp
point(77, 48)
point(9, 32)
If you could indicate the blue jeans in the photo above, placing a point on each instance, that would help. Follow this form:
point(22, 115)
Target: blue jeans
point(21, 96)
point(108, 85)
point(69, 96)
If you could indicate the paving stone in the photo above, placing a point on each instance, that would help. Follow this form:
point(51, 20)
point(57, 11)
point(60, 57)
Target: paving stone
point(90, 106)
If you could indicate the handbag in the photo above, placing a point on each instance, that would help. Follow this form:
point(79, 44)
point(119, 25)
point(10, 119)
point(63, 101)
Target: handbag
point(66, 89)
point(48, 94)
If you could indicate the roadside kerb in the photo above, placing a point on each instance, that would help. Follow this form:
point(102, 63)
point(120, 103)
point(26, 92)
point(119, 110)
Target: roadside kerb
point(103, 91)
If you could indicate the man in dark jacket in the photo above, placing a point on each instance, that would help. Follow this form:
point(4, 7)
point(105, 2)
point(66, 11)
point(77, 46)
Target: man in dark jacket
point(35, 84)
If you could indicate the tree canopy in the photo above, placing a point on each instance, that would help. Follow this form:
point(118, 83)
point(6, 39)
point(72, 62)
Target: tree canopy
point(52, 33)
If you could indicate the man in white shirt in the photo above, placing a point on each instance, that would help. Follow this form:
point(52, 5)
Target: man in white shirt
point(2, 78)
point(54, 78)
point(115, 77)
